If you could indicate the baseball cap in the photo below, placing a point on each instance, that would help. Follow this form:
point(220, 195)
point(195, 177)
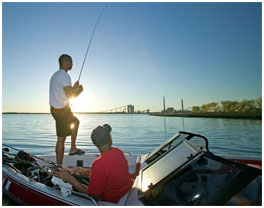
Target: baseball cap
point(101, 134)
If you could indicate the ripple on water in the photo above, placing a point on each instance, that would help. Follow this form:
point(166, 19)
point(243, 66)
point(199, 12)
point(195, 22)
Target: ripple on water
point(137, 134)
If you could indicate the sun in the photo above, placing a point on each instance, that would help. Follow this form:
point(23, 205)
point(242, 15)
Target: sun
point(79, 104)
point(85, 102)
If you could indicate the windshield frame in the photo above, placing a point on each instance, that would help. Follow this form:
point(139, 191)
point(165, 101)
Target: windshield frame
point(167, 145)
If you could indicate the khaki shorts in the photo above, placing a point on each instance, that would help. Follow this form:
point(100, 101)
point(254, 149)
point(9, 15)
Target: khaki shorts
point(64, 119)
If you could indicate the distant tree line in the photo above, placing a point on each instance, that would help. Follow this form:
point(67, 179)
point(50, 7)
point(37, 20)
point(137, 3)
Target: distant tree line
point(244, 106)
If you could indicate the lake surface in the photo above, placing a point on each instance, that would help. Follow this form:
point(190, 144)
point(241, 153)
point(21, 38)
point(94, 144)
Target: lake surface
point(134, 133)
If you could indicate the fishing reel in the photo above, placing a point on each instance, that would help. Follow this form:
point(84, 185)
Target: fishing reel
point(42, 175)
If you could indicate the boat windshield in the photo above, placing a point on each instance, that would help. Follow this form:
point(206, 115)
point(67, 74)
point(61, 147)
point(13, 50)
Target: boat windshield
point(174, 141)
point(187, 175)
point(166, 165)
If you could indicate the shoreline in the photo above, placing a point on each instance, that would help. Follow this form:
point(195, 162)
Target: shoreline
point(256, 116)
point(74, 113)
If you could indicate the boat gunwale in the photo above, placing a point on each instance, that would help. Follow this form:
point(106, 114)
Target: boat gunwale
point(33, 187)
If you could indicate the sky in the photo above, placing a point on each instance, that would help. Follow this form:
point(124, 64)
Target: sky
point(140, 52)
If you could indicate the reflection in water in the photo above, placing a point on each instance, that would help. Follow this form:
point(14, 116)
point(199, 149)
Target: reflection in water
point(165, 128)
point(183, 124)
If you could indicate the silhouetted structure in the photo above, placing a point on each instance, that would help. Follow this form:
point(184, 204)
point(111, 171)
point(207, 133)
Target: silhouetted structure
point(130, 109)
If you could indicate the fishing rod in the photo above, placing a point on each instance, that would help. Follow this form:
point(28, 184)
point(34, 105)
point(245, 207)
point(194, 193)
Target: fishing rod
point(22, 160)
point(97, 22)
point(6, 150)
point(34, 156)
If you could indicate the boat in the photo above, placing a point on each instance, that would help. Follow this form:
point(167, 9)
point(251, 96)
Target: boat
point(181, 171)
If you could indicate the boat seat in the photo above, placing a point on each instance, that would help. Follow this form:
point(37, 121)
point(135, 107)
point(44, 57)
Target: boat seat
point(87, 196)
point(121, 201)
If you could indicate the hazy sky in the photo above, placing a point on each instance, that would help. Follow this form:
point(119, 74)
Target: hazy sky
point(198, 52)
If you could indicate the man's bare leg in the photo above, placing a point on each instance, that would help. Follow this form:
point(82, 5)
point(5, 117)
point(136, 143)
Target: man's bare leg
point(74, 133)
point(60, 149)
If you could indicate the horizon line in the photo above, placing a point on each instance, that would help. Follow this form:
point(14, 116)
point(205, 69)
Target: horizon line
point(74, 112)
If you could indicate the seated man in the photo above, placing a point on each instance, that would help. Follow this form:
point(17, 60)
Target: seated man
point(109, 176)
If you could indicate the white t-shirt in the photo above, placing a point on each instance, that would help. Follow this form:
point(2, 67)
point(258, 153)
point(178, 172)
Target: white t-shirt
point(57, 96)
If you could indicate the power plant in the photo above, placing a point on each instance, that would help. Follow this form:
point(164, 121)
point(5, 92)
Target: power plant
point(130, 109)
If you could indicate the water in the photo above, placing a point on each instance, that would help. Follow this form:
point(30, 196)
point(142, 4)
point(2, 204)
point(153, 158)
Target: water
point(134, 133)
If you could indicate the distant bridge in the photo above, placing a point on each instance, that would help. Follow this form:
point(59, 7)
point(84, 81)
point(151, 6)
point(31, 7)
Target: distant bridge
point(125, 109)
point(122, 109)
point(145, 111)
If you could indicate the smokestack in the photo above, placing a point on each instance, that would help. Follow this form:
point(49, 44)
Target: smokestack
point(182, 104)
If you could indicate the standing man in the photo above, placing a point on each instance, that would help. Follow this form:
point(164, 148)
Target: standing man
point(60, 93)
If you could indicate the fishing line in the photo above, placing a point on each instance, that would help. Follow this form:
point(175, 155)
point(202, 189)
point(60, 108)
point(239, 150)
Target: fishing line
point(97, 22)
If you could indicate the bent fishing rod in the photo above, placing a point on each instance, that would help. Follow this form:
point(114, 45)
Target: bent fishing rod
point(97, 22)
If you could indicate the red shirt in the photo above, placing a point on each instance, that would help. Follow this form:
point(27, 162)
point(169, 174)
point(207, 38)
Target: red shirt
point(109, 176)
